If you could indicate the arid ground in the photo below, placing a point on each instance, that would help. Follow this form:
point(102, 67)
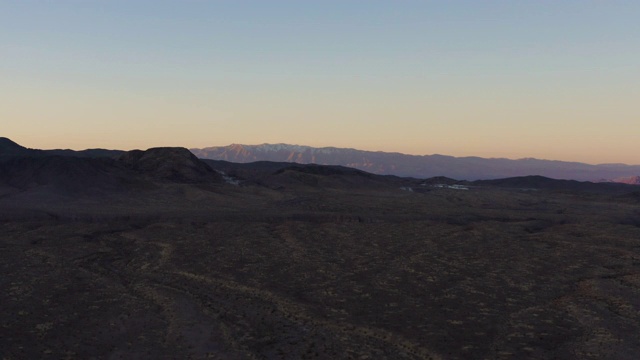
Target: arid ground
point(318, 264)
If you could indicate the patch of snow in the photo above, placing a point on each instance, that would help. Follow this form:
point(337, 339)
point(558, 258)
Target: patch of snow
point(281, 147)
point(295, 148)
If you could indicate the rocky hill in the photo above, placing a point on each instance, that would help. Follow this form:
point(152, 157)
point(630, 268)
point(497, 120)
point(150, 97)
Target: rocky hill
point(171, 163)
point(10, 148)
point(29, 177)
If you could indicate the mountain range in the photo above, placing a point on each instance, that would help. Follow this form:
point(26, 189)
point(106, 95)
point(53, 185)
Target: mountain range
point(420, 166)
point(375, 162)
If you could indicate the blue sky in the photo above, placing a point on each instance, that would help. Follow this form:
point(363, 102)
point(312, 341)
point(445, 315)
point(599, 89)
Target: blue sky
point(547, 79)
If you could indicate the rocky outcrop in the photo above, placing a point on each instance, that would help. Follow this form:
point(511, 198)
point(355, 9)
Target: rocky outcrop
point(171, 163)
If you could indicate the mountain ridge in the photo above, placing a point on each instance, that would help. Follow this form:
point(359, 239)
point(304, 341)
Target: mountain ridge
point(10, 148)
point(419, 166)
point(49, 175)
point(377, 162)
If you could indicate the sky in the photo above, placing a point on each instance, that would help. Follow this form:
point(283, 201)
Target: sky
point(545, 79)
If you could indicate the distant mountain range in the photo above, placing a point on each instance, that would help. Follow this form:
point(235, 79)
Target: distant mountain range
point(32, 177)
point(422, 166)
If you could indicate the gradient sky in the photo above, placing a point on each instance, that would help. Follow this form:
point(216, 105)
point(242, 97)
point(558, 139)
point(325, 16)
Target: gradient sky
point(546, 79)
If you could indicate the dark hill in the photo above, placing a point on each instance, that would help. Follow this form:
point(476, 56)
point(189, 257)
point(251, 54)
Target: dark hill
point(247, 172)
point(541, 182)
point(325, 170)
point(336, 177)
point(88, 153)
point(61, 173)
point(291, 175)
point(258, 166)
point(10, 148)
point(41, 177)
point(170, 163)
